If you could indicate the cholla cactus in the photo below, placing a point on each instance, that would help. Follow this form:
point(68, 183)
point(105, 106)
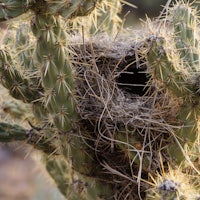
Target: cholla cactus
point(180, 74)
point(103, 139)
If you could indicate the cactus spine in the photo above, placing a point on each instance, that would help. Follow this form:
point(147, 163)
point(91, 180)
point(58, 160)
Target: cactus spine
point(177, 75)
point(55, 68)
point(173, 185)
point(19, 86)
point(186, 35)
point(12, 9)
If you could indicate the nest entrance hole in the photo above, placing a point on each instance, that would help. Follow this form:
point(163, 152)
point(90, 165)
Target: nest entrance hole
point(133, 79)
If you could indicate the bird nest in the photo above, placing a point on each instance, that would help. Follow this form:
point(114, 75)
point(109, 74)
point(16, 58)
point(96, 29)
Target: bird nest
point(128, 116)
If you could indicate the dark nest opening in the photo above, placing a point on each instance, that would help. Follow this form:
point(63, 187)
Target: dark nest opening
point(133, 79)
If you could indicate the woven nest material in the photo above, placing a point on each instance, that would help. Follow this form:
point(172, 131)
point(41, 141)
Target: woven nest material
point(123, 111)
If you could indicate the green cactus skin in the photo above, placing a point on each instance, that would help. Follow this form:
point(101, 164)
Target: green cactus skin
point(164, 70)
point(178, 80)
point(56, 70)
point(188, 133)
point(58, 171)
point(11, 9)
point(186, 35)
point(25, 49)
point(73, 185)
point(12, 79)
point(10, 133)
point(39, 110)
point(72, 9)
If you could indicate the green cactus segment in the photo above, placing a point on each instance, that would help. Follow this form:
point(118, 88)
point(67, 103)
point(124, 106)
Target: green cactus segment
point(11, 133)
point(71, 9)
point(43, 140)
point(39, 110)
point(58, 170)
point(186, 135)
point(83, 161)
point(186, 35)
point(19, 86)
point(15, 109)
point(73, 185)
point(84, 166)
point(25, 48)
point(56, 69)
point(163, 68)
point(11, 9)
point(76, 173)
point(73, 147)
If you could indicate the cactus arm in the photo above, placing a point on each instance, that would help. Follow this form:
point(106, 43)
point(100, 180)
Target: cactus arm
point(56, 69)
point(58, 171)
point(57, 79)
point(104, 18)
point(72, 9)
point(11, 9)
point(82, 158)
point(176, 81)
point(186, 35)
point(13, 133)
point(12, 79)
point(25, 48)
point(186, 135)
point(180, 81)
point(162, 68)
point(10, 133)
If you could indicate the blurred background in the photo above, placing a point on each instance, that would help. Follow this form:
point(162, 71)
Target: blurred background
point(150, 8)
point(145, 7)
point(20, 177)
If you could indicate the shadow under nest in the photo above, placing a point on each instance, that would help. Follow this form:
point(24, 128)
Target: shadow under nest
point(126, 116)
